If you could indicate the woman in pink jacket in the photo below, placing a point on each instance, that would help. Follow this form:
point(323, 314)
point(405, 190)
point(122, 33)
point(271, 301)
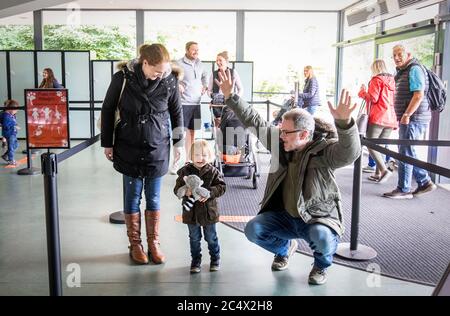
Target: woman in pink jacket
point(382, 119)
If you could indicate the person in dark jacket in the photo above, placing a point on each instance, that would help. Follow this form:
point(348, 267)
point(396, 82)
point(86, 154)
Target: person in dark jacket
point(379, 99)
point(204, 212)
point(48, 80)
point(301, 199)
point(139, 145)
point(414, 115)
point(310, 98)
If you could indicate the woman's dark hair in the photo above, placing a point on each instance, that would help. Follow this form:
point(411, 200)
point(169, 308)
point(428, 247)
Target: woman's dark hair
point(48, 82)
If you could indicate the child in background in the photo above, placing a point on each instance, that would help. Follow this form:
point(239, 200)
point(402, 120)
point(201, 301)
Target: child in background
point(204, 213)
point(9, 130)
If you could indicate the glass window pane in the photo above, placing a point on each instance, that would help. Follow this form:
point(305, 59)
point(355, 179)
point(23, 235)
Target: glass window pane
point(77, 75)
point(209, 69)
point(356, 67)
point(16, 32)
point(96, 117)
point(245, 71)
point(3, 77)
point(102, 78)
point(214, 31)
point(291, 41)
point(358, 30)
point(412, 16)
point(22, 70)
point(49, 60)
point(421, 47)
point(22, 132)
point(79, 123)
point(109, 35)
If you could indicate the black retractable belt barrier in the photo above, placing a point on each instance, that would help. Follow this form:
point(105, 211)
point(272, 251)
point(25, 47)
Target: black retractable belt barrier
point(49, 166)
point(353, 250)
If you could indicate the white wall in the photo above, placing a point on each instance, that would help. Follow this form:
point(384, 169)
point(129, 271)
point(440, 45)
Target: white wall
point(13, 7)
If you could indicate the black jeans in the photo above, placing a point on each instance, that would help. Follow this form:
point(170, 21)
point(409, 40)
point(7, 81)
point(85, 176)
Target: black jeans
point(195, 236)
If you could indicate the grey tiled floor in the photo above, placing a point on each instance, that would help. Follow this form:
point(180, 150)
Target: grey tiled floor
point(89, 190)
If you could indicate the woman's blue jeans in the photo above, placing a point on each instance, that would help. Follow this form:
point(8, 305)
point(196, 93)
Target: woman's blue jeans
point(133, 193)
point(312, 109)
point(195, 237)
point(273, 231)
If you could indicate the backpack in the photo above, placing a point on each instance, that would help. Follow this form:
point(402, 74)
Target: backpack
point(437, 93)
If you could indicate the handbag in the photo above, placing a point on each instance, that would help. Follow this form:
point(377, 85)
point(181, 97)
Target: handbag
point(117, 113)
point(362, 121)
point(217, 99)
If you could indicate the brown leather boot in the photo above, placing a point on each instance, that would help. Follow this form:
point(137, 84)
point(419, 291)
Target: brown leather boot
point(137, 253)
point(152, 225)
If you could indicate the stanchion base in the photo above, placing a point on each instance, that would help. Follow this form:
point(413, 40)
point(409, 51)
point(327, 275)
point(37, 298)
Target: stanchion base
point(29, 171)
point(33, 151)
point(362, 253)
point(117, 218)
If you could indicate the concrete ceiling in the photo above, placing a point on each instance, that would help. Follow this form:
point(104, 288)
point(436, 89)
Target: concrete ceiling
point(13, 7)
point(218, 4)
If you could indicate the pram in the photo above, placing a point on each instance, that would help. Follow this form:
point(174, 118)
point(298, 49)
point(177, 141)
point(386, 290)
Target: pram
point(235, 156)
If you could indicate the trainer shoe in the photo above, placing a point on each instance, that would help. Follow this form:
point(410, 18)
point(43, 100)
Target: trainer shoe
point(317, 276)
point(214, 265)
point(281, 263)
point(384, 176)
point(5, 157)
point(368, 169)
point(430, 186)
point(392, 165)
point(374, 177)
point(195, 266)
point(398, 195)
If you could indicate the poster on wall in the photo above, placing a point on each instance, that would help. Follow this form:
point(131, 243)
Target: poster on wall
point(47, 116)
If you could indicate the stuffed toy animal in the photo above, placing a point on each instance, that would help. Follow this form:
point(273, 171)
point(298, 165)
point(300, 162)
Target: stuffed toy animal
point(194, 183)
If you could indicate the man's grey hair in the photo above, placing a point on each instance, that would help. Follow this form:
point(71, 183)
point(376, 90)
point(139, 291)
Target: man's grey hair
point(302, 119)
point(400, 47)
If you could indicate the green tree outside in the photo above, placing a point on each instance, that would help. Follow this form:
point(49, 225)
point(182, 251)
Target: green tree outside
point(16, 37)
point(105, 42)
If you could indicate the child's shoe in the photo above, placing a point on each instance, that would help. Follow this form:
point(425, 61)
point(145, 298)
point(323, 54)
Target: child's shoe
point(12, 163)
point(5, 157)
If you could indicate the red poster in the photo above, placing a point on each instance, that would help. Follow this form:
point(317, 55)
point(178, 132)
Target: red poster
point(47, 118)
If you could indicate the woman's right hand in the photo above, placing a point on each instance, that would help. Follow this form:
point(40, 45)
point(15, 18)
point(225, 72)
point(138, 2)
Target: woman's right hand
point(188, 192)
point(109, 153)
point(363, 88)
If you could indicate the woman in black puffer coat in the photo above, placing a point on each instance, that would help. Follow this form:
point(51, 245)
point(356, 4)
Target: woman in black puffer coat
point(146, 92)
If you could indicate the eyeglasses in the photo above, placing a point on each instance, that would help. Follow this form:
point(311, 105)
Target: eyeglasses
point(283, 132)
